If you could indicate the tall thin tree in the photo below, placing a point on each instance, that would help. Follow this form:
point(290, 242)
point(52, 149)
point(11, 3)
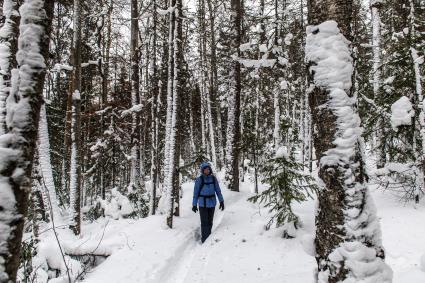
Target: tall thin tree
point(135, 96)
point(234, 98)
point(75, 167)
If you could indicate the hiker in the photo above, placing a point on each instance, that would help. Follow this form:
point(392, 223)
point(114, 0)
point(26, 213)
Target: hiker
point(206, 187)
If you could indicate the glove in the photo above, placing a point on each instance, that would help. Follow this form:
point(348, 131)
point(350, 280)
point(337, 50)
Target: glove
point(222, 205)
point(194, 208)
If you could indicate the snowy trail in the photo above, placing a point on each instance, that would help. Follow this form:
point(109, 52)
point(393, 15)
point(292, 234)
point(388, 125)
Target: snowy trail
point(239, 249)
point(179, 265)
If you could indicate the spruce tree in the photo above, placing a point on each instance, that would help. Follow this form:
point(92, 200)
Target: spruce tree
point(287, 183)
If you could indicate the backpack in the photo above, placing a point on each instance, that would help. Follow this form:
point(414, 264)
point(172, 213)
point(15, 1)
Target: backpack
point(202, 185)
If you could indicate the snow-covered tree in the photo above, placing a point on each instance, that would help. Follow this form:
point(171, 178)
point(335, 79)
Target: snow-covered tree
point(22, 115)
point(135, 98)
point(346, 218)
point(75, 164)
point(288, 183)
point(234, 97)
point(46, 171)
point(174, 93)
point(9, 33)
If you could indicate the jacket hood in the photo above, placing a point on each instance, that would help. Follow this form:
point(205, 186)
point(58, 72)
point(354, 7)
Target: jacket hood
point(205, 165)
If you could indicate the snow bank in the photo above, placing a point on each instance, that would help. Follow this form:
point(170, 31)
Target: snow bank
point(401, 113)
point(118, 206)
point(423, 262)
point(282, 152)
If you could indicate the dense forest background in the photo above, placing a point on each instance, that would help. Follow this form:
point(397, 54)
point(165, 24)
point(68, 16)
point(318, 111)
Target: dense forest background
point(138, 93)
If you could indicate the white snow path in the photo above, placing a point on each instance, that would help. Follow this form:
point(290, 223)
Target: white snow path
point(239, 249)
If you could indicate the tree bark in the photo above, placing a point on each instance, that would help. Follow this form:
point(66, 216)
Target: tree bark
point(75, 166)
point(154, 112)
point(234, 99)
point(8, 45)
point(18, 146)
point(135, 96)
point(346, 218)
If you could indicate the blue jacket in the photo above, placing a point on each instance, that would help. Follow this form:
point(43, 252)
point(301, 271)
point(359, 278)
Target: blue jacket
point(210, 188)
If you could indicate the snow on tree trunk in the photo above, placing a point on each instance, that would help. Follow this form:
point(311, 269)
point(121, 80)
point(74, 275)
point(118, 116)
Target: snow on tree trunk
point(75, 167)
point(276, 135)
point(421, 105)
point(214, 85)
point(204, 144)
point(348, 238)
point(234, 93)
point(376, 45)
point(417, 61)
point(75, 170)
point(173, 97)
point(170, 82)
point(375, 6)
point(43, 149)
point(9, 33)
point(19, 143)
point(154, 114)
point(135, 98)
point(211, 130)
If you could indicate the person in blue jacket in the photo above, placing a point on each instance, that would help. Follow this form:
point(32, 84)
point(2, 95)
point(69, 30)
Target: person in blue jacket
point(204, 195)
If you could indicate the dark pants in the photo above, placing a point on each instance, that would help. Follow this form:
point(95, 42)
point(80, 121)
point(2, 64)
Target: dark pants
point(207, 216)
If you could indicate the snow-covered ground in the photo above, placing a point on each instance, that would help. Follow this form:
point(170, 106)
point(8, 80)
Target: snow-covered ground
point(403, 233)
point(240, 250)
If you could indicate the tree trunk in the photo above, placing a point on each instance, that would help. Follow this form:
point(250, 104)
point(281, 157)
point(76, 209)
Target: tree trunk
point(9, 33)
point(43, 149)
point(154, 112)
point(171, 181)
point(19, 145)
point(135, 97)
point(346, 218)
point(170, 86)
point(214, 85)
point(75, 168)
point(178, 89)
point(375, 6)
point(416, 59)
point(234, 99)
